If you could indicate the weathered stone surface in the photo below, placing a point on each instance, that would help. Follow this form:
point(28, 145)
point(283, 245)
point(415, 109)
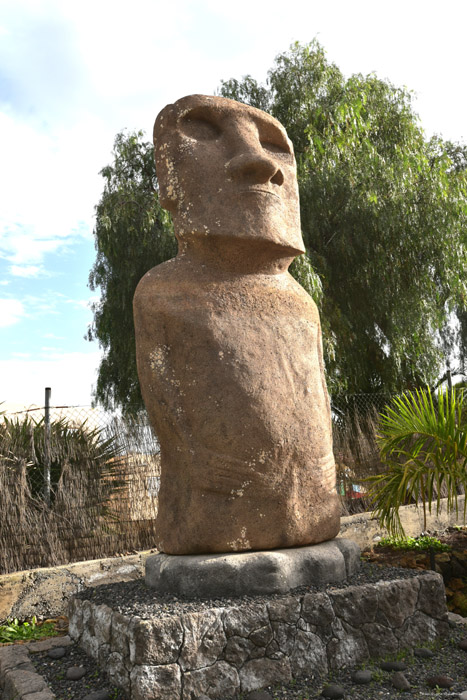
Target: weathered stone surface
point(348, 645)
point(262, 636)
point(355, 604)
point(260, 672)
point(242, 620)
point(397, 600)
point(251, 573)
point(219, 681)
point(431, 595)
point(309, 652)
point(50, 643)
point(102, 622)
point(284, 610)
point(229, 345)
point(156, 682)
point(118, 670)
point(420, 627)
point(381, 640)
point(284, 635)
point(19, 682)
point(11, 657)
point(238, 650)
point(119, 638)
point(155, 641)
point(317, 610)
point(204, 639)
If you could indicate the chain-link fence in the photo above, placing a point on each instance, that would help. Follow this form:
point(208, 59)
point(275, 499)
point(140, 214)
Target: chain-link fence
point(84, 484)
point(356, 420)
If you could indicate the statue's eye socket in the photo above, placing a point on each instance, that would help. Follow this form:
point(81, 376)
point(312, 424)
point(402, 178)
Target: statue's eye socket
point(275, 147)
point(199, 129)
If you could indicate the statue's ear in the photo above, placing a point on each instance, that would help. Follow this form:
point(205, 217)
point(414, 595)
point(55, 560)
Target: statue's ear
point(165, 138)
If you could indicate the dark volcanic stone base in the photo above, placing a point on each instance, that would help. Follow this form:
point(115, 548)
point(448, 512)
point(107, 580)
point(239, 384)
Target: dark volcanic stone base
point(221, 651)
point(252, 573)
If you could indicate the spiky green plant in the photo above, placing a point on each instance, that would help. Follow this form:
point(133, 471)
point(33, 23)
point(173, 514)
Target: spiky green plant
point(423, 442)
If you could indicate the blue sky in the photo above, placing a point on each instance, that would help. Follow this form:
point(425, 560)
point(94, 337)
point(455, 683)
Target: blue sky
point(73, 74)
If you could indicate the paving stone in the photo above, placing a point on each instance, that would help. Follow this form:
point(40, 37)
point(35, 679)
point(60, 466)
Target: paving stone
point(399, 681)
point(75, 673)
point(333, 691)
point(393, 666)
point(46, 644)
point(440, 681)
point(362, 677)
point(18, 682)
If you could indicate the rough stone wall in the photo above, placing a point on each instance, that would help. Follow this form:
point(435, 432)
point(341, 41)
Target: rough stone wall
point(223, 651)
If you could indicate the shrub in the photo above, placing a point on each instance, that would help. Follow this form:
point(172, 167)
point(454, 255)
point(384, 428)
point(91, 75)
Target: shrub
point(423, 442)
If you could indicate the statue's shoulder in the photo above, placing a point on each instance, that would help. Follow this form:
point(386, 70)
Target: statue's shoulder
point(158, 280)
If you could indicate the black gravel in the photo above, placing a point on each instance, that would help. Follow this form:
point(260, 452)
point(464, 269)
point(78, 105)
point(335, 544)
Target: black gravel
point(54, 671)
point(135, 598)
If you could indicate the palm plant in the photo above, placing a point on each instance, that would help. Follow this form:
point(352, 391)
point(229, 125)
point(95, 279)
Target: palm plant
point(423, 442)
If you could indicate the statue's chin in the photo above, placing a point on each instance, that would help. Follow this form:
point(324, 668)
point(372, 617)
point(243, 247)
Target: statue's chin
point(269, 239)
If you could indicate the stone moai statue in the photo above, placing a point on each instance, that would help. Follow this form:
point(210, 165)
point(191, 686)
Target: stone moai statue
point(229, 345)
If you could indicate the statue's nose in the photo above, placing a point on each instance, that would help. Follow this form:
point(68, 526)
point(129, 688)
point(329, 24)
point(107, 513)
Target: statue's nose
point(253, 163)
point(255, 166)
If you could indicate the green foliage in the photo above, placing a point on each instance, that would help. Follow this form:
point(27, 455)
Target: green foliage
point(422, 543)
point(15, 631)
point(383, 215)
point(132, 234)
point(423, 441)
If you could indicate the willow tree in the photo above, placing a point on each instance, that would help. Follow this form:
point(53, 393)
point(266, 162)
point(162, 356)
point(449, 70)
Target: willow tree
point(383, 215)
point(132, 234)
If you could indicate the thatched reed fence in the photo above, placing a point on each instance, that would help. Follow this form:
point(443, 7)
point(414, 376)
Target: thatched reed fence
point(104, 478)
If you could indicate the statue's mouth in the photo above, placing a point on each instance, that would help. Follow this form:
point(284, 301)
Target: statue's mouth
point(260, 190)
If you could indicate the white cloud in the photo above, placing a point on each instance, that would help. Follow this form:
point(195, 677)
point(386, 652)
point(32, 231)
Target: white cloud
point(4, 282)
point(11, 312)
point(27, 271)
point(70, 375)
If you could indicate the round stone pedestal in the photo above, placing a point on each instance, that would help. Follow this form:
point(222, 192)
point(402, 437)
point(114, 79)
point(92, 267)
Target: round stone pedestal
point(252, 573)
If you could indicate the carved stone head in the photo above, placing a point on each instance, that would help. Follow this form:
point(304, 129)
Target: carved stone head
point(227, 170)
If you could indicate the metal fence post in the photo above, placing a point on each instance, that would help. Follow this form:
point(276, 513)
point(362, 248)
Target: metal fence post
point(48, 392)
